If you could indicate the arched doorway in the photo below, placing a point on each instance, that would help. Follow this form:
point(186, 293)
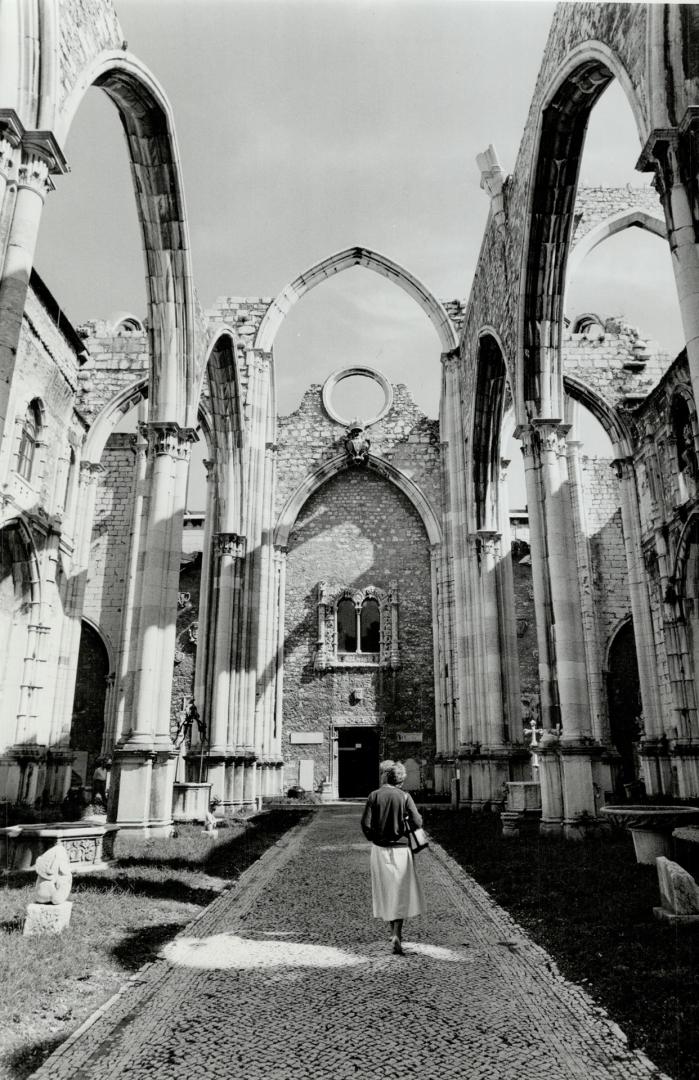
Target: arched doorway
point(87, 725)
point(624, 701)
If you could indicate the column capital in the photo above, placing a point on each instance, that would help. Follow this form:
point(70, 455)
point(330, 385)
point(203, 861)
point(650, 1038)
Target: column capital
point(487, 542)
point(166, 437)
point(90, 471)
point(228, 543)
point(259, 360)
point(623, 467)
point(451, 358)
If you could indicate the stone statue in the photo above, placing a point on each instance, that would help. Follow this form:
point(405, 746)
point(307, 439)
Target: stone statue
point(53, 876)
point(356, 443)
point(679, 894)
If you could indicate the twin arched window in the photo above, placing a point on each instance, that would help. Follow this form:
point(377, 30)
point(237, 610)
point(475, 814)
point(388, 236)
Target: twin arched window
point(358, 628)
point(29, 440)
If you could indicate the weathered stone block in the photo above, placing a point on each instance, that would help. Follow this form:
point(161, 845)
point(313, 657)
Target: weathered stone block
point(47, 918)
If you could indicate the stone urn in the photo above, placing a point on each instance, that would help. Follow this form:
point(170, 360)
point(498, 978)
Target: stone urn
point(651, 826)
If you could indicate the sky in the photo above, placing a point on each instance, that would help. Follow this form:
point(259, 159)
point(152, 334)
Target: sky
point(308, 126)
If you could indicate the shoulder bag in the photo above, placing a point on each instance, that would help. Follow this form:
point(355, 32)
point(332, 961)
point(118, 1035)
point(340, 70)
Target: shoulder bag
point(417, 838)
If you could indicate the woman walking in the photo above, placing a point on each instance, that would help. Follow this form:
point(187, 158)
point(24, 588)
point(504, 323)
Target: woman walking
point(395, 888)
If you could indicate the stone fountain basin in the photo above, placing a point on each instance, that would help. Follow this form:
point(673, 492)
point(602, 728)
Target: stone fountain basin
point(651, 826)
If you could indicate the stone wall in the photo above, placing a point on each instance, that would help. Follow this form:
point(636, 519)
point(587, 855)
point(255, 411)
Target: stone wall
point(358, 530)
point(606, 542)
point(111, 538)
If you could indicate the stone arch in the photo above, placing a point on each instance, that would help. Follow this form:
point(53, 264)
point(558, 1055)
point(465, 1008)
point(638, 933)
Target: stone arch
point(566, 105)
point(625, 219)
point(335, 264)
point(94, 668)
point(488, 414)
point(122, 403)
point(124, 321)
point(148, 123)
point(624, 697)
point(226, 425)
point(608, 417)
point(314, 480)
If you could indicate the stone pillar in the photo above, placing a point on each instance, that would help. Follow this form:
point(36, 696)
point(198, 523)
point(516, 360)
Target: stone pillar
point(555, 574)
point(671, 153)
point(648, 674)
point(507, 619)
point(203, 637)
point(277, 772)
point(145, 757)
point(226, 618)
point(122, 699)
point(594, 661)
point(39, 156)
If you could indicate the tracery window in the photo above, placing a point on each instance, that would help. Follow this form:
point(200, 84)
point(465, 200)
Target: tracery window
point(357, 628)
point(28, 440)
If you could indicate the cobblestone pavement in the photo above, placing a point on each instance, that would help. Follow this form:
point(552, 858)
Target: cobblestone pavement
point(287, 977)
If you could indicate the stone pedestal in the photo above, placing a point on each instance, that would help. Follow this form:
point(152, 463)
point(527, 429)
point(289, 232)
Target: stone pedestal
point(190, 802)
point(522, 811)
point(47, 918)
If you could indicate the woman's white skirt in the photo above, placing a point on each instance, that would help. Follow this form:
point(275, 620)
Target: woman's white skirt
point(395, 887)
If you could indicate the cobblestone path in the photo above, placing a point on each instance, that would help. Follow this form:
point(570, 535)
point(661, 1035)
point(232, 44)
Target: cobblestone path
point(287, 977)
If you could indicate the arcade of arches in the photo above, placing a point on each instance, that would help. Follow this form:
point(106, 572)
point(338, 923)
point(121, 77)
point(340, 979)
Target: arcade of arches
point(357, 587)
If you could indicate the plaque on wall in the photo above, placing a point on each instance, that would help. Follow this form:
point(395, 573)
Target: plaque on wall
point(306, 737)
point(409, 736)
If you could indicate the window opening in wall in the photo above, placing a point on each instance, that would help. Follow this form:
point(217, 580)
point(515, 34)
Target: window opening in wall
point(346, 626)
point(28, 441)
point(370, 624)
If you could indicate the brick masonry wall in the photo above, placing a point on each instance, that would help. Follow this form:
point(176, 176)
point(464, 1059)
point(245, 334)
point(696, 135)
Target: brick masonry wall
point(111, 538)
point(606, 543)
point(358, 530)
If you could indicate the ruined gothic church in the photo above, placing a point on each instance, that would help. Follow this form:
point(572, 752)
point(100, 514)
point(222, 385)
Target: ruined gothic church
point(358, 587)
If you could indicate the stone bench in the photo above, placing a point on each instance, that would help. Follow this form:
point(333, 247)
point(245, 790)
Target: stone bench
point(90, 844)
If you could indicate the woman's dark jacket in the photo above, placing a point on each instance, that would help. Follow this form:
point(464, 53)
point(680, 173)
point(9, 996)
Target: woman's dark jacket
point(384, 813)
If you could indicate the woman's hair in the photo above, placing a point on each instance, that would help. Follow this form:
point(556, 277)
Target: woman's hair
point(395, 774)
point(384, 766)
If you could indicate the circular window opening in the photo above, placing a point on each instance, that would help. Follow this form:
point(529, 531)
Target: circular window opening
point(357, 393)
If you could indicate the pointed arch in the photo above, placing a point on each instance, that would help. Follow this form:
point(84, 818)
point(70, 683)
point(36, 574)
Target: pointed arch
point(608, 417)
point(314, 480)
point(147, 119)
point(625, 219)
point(488, 413)
point(335, 264)
point(567, 102)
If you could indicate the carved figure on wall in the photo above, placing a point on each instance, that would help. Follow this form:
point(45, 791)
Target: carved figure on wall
point(357, 444)
point(53, 876)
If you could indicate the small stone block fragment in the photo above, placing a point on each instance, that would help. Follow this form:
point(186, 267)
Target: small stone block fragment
point(47, 918)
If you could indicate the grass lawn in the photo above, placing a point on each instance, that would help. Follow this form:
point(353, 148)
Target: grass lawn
point(591, 906)
point(121, 917)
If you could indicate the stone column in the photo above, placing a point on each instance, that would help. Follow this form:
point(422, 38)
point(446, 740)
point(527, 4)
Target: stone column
point(594, 661)
point(276, 781)
point(648, 674)
point(671, 153)
point(40, 156)
point(512, 698)
point(122, 699)
point(559, 621)
point(145, 757)
point(203, 638)
point(226, 617)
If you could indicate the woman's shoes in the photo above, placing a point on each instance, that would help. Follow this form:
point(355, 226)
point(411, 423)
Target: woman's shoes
point(397, 946)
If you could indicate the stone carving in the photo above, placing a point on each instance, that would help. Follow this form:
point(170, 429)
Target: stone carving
point(53, 876)
point(357, 444)
point(679, 894)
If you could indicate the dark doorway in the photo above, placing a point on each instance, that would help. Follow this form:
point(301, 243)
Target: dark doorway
point(358, 761)
point(624, 696)
point(87, 726)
